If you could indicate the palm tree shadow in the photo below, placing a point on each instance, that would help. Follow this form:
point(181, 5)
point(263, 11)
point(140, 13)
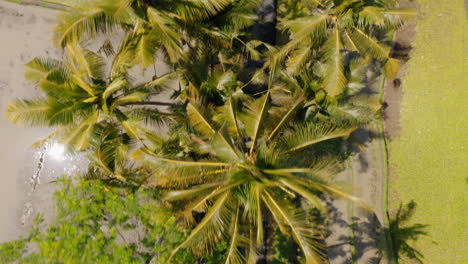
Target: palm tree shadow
point(359, 240)
point(338, 248)
point(366, 237)
point(401, 235)
point(370, 241)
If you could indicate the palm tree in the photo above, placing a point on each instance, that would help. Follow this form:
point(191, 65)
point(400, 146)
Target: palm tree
point(331, 30)
point(77, 96)
point(163, 26)
point(251, 159)
point(108, 155)
point(194, 37)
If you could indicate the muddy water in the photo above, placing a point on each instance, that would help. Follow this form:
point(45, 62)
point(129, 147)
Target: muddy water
point(25, 174)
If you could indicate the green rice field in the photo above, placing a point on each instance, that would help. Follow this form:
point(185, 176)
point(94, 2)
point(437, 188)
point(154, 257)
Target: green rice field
point(429, 160)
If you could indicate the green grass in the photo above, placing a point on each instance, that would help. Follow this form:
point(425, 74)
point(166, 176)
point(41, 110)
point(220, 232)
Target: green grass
point(430, 157)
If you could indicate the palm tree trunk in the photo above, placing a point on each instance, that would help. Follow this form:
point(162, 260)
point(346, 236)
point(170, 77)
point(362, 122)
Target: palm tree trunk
point(265, 28)
point(265, 31)
point(265, 248)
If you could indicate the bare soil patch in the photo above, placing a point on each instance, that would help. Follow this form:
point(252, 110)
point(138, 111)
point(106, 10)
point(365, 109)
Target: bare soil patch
point(393, 93)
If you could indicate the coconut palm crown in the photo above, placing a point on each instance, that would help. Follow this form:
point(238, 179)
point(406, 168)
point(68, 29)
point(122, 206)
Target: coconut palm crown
point(162, 26)
point(253, 158)
point(77, 96)
point(328, 30)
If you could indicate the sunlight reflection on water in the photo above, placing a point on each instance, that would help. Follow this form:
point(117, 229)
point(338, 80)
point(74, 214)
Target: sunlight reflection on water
point(51, 161)
point(56, 151)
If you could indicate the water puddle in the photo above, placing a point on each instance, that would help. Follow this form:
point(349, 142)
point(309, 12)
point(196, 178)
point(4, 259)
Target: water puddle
point(52, 163)
point(34, 181)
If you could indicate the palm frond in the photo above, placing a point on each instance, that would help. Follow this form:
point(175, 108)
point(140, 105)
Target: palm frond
point(150, 116)
point(107, 48)
point(304, 27)
point(75, 24)
point(56, 85)
point(343, 6)
point(113, 87)
point(157, 85)
point(348, 42)
point(399, 16)
point(240, 16)
point(163, 32)
point(228, 117)
point(298, 59)
point(145, 49)
point(61, 113)
point(85, 63)
point(104, 157)
point(38, 68)
point(233, 254)
point(197, 10)
point(207, 233)
point(252, 253)
point(356, 76)
point(200, 204)
point(131, 128)
point(254, 210)
point(198, 118)
point(141, 152)
point(335, 80)
point(305, 32)
point(369, 45)
point(83, 85)
point(79, 137)
point(175, 176)
point(312, 198)
point(190, 193)
point(312, 134)
point(120, 157)
point(256, 113)
point(371, 15)
point(226, 80)
point(129, 98)
point(222, 146)
point(330, 189)
point(124, 58)
point(300, 230)
point(88, 18)
point(286, 117)
point(33, 112)
point(322, 169)
point(349, 115)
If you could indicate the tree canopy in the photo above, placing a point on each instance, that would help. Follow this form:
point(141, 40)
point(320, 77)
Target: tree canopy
point(256, 129)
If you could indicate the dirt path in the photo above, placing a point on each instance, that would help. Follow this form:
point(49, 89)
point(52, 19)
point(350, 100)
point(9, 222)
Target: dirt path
point(393, 88)
point(466, 7)
point(353, 237)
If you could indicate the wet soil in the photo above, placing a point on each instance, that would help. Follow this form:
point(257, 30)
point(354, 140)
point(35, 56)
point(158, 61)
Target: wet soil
point(26, 188)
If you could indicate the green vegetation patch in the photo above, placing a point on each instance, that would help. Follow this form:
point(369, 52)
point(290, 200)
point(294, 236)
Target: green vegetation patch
point(95, 223)
point(430, 156)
